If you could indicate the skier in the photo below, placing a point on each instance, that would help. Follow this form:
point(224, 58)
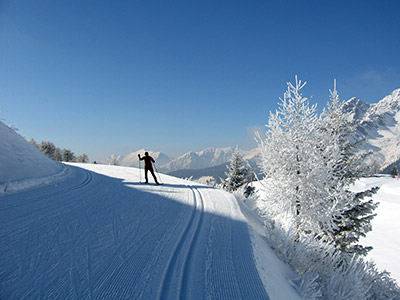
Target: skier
point(148, 166)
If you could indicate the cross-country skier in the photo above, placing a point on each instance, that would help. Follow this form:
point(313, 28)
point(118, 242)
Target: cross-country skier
point(148, 166)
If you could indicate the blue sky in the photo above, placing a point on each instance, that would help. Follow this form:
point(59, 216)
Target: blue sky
point(112, 77)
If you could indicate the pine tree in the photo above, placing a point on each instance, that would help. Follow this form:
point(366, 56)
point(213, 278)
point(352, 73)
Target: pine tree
point(356, 223)
point(47, 148)
point(355, 220)
point(68, 155)
point(295, 164)
point(57, 156)
point(238, 175)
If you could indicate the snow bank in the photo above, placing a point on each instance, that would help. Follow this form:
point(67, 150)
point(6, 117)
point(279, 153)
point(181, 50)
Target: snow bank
point(278, 278)
point(22, 166)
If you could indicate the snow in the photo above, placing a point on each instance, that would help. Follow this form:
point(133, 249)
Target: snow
point(99, 233)
point(94, 231)
point(385, 234)
point(380, 126)
point(22, 166)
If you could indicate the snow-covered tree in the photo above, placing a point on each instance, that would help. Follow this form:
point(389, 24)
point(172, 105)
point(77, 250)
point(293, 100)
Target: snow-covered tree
point(238, 175)
point(296, 168)
point(83, 158)
point(313, 221)
point(57, 156)
point(68, 155)
point(47, 148)
point(346, 164)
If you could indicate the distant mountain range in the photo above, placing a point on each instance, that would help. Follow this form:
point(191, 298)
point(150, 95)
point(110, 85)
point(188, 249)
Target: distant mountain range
point(379, 126)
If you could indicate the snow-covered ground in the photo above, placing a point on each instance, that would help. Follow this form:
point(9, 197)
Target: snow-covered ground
point(85, 231)
point(22, 166)
point(82, 231)
point(385, 234)
point(101, 234)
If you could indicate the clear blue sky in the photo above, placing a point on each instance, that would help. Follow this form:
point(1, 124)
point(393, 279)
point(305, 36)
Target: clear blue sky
point(112, 77)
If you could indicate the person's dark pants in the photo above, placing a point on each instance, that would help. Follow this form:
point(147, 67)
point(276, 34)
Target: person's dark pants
point(152, 173)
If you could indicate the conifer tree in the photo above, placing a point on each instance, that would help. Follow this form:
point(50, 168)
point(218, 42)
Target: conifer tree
point(68, 155)
point(47, 148)
point(296, 168)
point(355, 221)
point(57, 156)
point(238, 175)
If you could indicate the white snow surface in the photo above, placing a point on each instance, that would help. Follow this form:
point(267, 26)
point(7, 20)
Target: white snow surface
point(385, 234)
point(22, 166)
point(101, 234)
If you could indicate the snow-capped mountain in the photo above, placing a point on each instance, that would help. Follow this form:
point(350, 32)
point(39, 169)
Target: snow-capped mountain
point(131, 160)
point(379, 125)
point(207, 158)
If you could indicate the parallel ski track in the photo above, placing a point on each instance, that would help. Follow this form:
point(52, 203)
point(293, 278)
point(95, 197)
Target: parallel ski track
point(231, 275)
point(173, 285)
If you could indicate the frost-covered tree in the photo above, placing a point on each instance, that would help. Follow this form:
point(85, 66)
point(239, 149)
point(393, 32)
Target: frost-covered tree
point(68, 155)
point(355, 220)
point(47, 148)
point(83, 158)
point(313, 220)
point(57, 156)
point(238, 175)
point(296, 169)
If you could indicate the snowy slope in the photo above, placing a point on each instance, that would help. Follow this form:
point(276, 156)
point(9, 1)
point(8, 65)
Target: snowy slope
point(109, 237)
point(20, 161)
point(99, 233)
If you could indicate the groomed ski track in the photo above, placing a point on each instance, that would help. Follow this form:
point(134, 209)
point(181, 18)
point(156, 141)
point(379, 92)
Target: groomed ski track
point(110, 237)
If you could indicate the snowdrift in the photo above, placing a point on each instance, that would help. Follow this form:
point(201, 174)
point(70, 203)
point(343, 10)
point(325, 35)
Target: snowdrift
point(22, 165)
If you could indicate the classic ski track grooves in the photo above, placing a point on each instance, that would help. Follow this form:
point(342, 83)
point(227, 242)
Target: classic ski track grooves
point(92, 237)
point(178, 262)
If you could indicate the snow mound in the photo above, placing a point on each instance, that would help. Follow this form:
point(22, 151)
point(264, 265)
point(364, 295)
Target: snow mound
point(22, 166)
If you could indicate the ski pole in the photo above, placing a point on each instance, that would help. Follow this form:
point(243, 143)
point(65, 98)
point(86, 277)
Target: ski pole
point(157, 173)
point(140, 171)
